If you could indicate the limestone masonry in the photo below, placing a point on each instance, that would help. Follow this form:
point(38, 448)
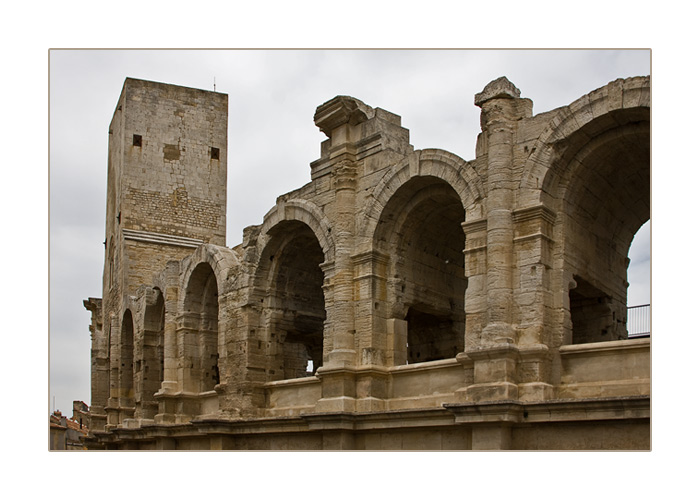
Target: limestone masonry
point(402, 299)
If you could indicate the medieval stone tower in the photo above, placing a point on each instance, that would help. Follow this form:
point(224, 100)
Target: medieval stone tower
point(402, 299)
point(166, 195)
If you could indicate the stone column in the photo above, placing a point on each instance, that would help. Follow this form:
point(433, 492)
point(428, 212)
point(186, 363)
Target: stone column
point(169, 386)
point(112, 408)
point(495, 354)
point(343, 353)
point(188, 353)
point(533, 239)
point(340, 119)
point(171, 298)
point(338, 382)
point(501, 107)
point(475, 299)
point(361, 140)
point(99, 354)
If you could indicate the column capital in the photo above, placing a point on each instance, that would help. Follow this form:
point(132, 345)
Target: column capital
point(341, 110)
point(500, 103)
point(500, 88)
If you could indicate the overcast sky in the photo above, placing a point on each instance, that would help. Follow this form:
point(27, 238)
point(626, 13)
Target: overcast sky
point(272, 140)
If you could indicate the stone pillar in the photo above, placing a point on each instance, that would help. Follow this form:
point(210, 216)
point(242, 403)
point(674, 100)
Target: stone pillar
point(343, 354)
point(533, 240)
point(188, 353)
point(475, 299)
point(397, 338)
point(495, 353)
point(375, 333)
point(361, 140)
point(501, 107)
point(177, 398)
point(245, 371)
point(112, 407)
point(169, 387)
point(340, 119)
point(99, 354)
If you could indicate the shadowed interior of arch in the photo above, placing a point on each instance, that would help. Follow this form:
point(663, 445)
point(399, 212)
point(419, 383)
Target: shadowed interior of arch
point(606, 201)
point(126, 358)
point(295, 306)
point(421, 230)
point(149, 374)
point(201, 307)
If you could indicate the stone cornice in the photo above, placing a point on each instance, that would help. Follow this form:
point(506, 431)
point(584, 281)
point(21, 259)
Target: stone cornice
point(500, 88)
point(473, 226)
point(556, 410)
point(534, 213)
point(370, 257)
point(161, 239)
point(339, 111)
point(610, 347)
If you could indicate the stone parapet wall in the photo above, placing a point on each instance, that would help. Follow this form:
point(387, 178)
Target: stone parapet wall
point(605, 369)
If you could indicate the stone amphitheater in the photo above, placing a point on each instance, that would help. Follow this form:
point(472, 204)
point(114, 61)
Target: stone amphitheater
point(401, 300)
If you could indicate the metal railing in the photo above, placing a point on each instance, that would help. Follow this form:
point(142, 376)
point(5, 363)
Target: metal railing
point(639, 321)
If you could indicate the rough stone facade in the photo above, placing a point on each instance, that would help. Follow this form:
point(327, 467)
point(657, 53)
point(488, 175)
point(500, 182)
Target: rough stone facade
point(400, 300)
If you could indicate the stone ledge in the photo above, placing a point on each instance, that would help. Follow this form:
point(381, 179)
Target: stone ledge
point(599, 347)
point(562, 410)
point(292, 381)
point(380, 420)
point(509, 412)
point(425, 365)
point(161, 239)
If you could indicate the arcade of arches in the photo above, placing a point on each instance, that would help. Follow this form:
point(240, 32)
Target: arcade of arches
point(403, 299)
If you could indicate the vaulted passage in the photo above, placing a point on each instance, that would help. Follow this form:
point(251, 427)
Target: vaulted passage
point(606, 201)
point(420, 229)
point(592, 316)
point(295, 306)
point(126, 357)
point(149, 370)
point(200, 335)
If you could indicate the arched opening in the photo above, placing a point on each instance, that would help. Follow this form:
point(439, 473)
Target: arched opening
point(295, 305)
point(126, 357)
point(150, 367)
point(639, 278)
point(200, 342)
point(605, 203)
point(421, 230)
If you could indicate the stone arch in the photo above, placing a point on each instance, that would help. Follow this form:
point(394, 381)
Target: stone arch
point(223, 261)
point(305, 212)
point(437, 163)
point(420, 232)
point(583, 119)
point(288, 292)
point(209, 273)
point(198, 330)
point(605, 200)
point(150, 367)
point(591, 167)
point(126, 359)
